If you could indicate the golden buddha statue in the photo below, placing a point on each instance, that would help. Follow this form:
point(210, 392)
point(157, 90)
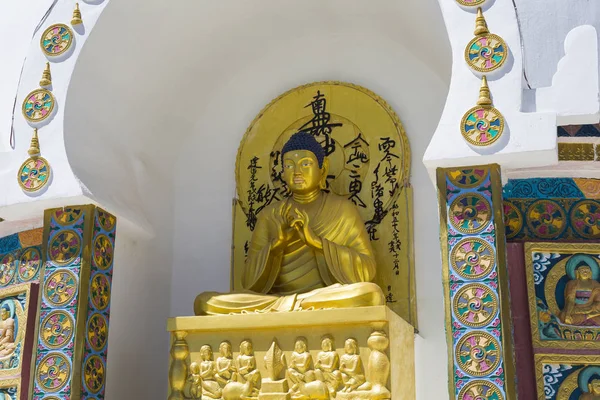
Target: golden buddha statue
point(593, 390)
point(582, 299)
point(309, 251)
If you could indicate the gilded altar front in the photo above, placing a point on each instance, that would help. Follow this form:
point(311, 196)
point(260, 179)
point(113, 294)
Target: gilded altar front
point(359, 353)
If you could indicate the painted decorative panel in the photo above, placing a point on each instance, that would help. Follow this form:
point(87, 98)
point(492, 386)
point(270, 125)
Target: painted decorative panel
point(74, 309)
point(474, 277)
point(21, 257)
point(568, 377)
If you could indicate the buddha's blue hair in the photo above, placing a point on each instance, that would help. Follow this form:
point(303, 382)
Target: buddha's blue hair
point(305, 141)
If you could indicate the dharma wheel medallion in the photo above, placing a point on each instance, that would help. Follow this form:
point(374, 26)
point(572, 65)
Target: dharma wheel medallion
point(94, 374)
point(475, 305)
point(106, 220)
point(53, 372)
point(467, 178)
point(470, 213)
point(585, 218)
point(471, 3)
point(486, 53)
point(480, 390)
point(64, 247)
point(546, 219)
point(482, 126)
point(513, 220)
point(67, 216)
point(60, 287)
point(38, 105)
point(100, 291)
point(478, 353)
point(57, 329)
point(97, 331)
point(7, 269)
point(472, 258)
point(103, 252)
point(56, 40)
point(29, 264)
point(34, 174)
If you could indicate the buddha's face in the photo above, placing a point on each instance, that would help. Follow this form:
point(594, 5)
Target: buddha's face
point(350, 347)
point(326, 344)
point(206, 354)
point(225, 349)
point(301, 171)
point(246, 348)
point(594, 386)
point(4, 314)
point(584, 273)
point(300, 346)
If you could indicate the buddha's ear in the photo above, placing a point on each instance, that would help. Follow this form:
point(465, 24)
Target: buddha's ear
point(324, 172)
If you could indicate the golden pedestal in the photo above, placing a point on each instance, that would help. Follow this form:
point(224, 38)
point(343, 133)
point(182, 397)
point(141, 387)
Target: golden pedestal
point(354, 353)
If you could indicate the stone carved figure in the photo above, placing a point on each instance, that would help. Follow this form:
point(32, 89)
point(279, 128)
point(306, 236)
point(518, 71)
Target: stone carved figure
point(226, 371)
point(247, 372)
point(351, 367)
point(328, 364)
point(582, 295)
point(208, 373)
point(196, 381)
point(308, 251)
point(7, 331)
point(301, 365)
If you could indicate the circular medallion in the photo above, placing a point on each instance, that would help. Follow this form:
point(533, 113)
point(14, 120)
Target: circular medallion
point(29, 264)
point(97, 331)
point(362, 137)
point(7, 269)
point(471, 3)
point(546, 219)
point(585, 218)
point(57, 329)
point(53, 372)
point(486, 53)
point(67, 215)
point(467, 178)
point(34, 174)
point(64, 247)
point(93, 374)
point(106, 220)
point(100, 291)
point(482, 126)
point(38, 105)
point(478, 353)
point(60, 287)
point(472, 258)
point(513, 220)
point(480, 390)
point(470, 213)
point(56, 40)
point(103, 252)
point(475, 305)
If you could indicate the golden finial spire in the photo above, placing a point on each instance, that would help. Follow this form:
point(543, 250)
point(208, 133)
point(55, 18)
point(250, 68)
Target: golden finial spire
point(480, 24)
point(34, 147)
point(485, 100)
point(46, 76)
point(76, 16)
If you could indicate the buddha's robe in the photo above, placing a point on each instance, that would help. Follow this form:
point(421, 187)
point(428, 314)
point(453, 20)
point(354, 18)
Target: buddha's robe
point(299, 277)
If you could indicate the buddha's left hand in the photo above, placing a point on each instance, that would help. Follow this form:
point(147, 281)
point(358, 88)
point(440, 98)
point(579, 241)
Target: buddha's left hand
point(299, 221)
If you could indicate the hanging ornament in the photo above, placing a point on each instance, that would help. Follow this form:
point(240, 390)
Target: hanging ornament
point(46, 76)
point(35, 172)
point(486, 52)
point(57, 40)
point(482, 125)
point(76, 16)
point(38, 106)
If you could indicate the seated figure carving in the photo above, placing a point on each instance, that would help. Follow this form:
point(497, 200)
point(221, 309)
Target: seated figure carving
point(247, 372)
point(582, 299)
point(301, 365)
point(309, 251)
point(225, 368)
point(7, 332)
point(208, 373)
point(327, 365)
point(351, 367)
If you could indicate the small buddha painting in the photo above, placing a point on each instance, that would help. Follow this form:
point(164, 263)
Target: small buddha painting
point(564, 293)
point(589, 383)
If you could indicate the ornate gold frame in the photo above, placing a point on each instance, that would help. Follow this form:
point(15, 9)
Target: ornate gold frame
point(22, 330)
point(567, 385)
point(565, 248)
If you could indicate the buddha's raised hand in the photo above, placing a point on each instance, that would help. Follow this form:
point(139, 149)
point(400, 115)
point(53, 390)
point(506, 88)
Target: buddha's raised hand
point(280, 232)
